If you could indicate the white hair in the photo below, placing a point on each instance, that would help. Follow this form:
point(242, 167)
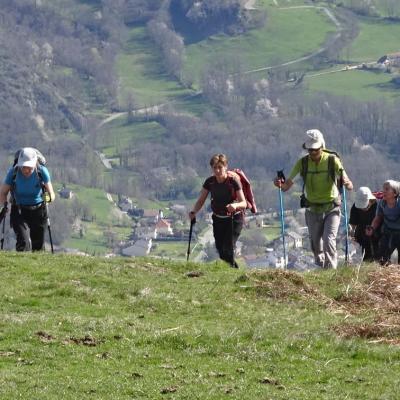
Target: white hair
point(394, 185)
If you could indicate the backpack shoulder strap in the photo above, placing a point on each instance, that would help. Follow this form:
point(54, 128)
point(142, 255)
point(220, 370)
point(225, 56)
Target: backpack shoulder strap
point(331, 167)
point(304, 170)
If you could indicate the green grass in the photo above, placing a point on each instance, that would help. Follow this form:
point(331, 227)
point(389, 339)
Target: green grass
point(359, 84)
point(279, 41)
point(119, 135)
point(141, 72)
point(90, 328)
point(376, 38)
point(173, 250)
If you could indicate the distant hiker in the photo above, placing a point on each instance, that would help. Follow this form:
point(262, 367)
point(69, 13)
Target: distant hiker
point(28, 181)
point(227, 203)
point(322, 173)
point(362, 214)
point(388, 214)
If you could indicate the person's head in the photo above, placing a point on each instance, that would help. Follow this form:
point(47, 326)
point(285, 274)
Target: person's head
point(314, 143)
point(27, 160)
point(391, 189)
point(364, 198)
point(219, 164)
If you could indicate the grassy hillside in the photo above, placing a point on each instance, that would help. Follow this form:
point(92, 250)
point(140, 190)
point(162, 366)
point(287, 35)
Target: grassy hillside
point(141, 73)
point(278, 42)
point(359, 84)
point(89, 328)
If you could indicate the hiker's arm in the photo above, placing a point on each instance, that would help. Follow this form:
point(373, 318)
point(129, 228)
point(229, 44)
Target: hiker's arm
point(285, 185)
point(375, 224)
point(199, 203)
point(240, 204)
point(49, 189)
point(346, 181)
point(4, 190)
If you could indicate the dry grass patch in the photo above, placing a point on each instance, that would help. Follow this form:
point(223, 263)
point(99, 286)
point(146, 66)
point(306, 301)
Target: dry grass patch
point(281, 285)
point(377, 298)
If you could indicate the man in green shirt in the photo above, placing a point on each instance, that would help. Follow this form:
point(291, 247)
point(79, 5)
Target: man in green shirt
point(322, 194)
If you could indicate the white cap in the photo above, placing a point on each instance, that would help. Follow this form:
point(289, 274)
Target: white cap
point(27, 157)
point(363, 196)
point(315, 139)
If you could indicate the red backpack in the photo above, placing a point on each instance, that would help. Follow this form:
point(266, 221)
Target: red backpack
point(246, 186)
point(378, 195)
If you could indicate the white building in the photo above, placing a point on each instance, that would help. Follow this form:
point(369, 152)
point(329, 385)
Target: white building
point(164, 227)
point(140, 248)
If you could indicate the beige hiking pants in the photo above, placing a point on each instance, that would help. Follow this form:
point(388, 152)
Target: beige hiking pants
point(323, 229)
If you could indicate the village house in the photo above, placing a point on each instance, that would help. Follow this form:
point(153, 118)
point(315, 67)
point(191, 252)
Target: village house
point(390, 60)
point(140, 248)
point(294, 240)
point(152, 215)
point(125, 204)
point(164, 227)
point(65, 193)
point(269, 260)
point(145, 232)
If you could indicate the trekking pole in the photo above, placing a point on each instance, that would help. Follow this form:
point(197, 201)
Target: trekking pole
point(281, 178)
point(192, 222)
point(3, 214)
point(3, 229)
point(346, 221)
point(48, 224)
point(233, 244)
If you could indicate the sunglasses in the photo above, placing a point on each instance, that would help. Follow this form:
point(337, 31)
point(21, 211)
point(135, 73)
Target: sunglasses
point(314, 150)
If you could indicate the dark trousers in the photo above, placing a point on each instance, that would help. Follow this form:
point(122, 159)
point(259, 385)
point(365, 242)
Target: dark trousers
point(226, 233)
point(390, 241)
point(369, 246)
point(29, 226)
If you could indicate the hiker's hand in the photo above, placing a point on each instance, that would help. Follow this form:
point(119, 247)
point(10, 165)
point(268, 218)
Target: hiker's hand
point(347, 182)
point(278, 182)
point(46, 197)
point(369, 230)
point(231, 208)
point(192, 216)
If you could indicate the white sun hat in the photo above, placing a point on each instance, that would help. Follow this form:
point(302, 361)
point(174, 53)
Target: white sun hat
point(363, 196)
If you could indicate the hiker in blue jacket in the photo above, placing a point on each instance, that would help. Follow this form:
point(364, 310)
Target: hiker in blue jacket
point(388, 215)
point(227, 203)
point(30, 187)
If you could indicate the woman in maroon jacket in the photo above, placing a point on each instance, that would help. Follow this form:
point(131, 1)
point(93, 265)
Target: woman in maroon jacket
point(227, 204)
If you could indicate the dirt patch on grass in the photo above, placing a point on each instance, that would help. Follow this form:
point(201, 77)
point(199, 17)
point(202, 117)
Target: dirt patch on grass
point(377, 300)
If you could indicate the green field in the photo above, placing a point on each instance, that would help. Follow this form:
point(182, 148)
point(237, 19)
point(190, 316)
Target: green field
point(141, 72)
point(91, 328)
point(359, 84)
point(376, 39)
point(287, 35)
point(124, 135)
